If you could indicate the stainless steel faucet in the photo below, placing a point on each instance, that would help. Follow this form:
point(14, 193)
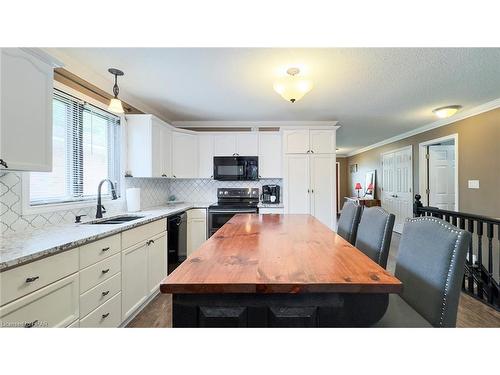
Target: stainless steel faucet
point(100, 207)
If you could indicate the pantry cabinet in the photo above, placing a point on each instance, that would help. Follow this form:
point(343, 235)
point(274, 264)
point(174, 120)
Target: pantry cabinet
point(26, 94)
point(270, 155)
point(149, 150)
point(309, 141)
point(184, 155)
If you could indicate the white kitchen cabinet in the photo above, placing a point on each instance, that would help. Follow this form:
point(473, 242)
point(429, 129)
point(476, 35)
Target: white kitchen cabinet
point(297, 184)
point(247, 144)
point(108, 315)
point(225, 144)
point(157, 261)
point(310, 186)
point(196, 229)
point(55, 305)
point(26, 94)
point(184, 155)
point(135, 282)
point(149, 148)
point(270, 155)
point(236, 144)
point(205, 155)
point(271, 210)
point(309, 141)
point(322, 171)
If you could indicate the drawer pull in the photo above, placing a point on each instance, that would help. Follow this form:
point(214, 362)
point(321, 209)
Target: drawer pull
point(104, 294)
point(105, 249)
point(31, 325)
point(31, 279)
point(105, 271)
point(104, 316)
point(149, 242)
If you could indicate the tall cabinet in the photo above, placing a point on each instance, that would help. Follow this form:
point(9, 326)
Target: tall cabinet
point(309, 173)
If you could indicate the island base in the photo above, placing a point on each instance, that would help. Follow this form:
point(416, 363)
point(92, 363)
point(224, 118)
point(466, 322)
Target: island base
point(278, 310)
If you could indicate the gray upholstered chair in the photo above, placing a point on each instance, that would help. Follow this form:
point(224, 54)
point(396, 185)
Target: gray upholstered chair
point(375, 233)
point(348, 221)
point(430, 265)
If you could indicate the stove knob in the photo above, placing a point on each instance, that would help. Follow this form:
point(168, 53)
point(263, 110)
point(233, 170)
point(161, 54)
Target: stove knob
point(226, 192)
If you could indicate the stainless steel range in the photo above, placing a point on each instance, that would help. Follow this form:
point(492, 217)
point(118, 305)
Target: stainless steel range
point(231, 201)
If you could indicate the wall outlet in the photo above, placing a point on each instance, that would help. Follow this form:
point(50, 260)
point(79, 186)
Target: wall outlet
point(473, 184)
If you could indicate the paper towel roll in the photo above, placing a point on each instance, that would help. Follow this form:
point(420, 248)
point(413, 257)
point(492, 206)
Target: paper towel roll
point(133, 199)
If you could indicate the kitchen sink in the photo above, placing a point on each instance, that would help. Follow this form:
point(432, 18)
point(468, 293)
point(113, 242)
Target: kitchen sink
point(115, 220)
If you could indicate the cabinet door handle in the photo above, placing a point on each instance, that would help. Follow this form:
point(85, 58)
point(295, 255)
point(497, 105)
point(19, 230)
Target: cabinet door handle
point(104, 294)
point(174, 176)
point(105, 249)
point(31, 325)
point(105, 271)
point(164, 175)
point(312, 151)
point(3, 163)
point(31, 279)
point(104, 316)
point(312, 191)
point(149, 242)
point(308, 191)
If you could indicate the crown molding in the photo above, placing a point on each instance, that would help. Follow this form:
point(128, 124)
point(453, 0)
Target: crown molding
point(250, 124)
point(488, 106)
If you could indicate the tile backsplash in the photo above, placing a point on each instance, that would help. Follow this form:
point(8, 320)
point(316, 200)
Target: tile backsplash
point(154, 192)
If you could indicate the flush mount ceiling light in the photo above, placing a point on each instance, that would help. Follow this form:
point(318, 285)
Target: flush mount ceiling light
point(293, 87)
point(447, 111)
point(115, 105)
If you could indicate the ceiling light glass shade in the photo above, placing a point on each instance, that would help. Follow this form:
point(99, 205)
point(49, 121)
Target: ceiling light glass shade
point(448, 111)
point(115, 105)
point(292, 87)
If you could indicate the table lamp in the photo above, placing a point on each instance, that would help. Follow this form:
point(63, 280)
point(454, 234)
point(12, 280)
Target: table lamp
point(369, 189)
point(358, 187)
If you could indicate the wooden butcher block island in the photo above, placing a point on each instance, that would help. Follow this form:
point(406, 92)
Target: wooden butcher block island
point(278, 271)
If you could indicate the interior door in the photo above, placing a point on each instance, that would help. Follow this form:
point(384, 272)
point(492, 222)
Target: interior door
point(442, 177)
point(388, 199)
point(323, 188)
point(297, 182)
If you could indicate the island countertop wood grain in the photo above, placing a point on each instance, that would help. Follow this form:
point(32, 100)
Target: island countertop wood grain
point(278, 254)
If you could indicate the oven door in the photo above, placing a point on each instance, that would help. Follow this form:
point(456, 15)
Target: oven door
point(218, 217)
point(235, 168)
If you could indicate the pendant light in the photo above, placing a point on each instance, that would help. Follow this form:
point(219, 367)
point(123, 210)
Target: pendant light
point(293, 87)
point(115, 105)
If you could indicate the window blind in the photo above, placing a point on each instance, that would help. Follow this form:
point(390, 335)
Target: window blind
point(86, 149)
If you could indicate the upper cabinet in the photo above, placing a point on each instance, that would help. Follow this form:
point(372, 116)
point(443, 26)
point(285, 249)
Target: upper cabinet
point(184, 155)
point(270, 155)
point(309, 141)
point(236, 144)
point(205, 155)
point(149, 146)
point(26, 90)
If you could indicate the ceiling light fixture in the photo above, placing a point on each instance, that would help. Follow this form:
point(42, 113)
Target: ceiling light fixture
point(293, 87)
point(447, 111)
point(115, 104)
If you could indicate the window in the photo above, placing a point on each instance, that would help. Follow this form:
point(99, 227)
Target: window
point(86, 149)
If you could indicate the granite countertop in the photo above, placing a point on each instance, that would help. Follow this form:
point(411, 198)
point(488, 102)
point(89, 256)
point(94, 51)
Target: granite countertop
point(20, 248)
point(270, 205)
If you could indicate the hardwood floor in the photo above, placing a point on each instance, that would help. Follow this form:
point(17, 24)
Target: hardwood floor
point(471, 313)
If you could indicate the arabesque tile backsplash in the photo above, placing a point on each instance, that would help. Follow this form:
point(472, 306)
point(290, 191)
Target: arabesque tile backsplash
point(154, 192)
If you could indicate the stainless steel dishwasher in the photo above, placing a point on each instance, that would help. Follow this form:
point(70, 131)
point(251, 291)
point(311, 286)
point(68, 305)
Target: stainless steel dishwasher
point(177, 240)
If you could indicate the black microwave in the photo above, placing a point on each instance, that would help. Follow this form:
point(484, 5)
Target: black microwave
point(236, 168)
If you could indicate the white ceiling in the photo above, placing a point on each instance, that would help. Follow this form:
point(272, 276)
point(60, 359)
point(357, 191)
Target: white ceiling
point(375, 94)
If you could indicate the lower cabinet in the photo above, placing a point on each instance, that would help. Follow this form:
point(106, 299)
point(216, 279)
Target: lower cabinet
point(108, 315)
point(271, 210)
point(55, 305)
point(196, 229)
point(144, 266)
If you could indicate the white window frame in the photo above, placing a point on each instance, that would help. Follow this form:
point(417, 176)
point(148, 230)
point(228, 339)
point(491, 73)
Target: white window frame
point(28, 209)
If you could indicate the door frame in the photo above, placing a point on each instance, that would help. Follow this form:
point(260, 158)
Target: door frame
point(422, 165)
point(337, 188)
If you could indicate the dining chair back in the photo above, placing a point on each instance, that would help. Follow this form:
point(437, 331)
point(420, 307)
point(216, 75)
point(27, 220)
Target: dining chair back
point(349, 221)
point(430, 265)
point(375, 233)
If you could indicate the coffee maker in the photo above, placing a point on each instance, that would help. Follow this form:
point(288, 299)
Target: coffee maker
point(271, 194)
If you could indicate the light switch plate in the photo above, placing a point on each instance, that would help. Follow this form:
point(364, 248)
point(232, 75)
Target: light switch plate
point(473, 184)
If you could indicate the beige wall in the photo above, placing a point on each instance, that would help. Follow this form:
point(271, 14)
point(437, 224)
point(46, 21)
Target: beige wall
point(478, 159)
point(343, 182)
